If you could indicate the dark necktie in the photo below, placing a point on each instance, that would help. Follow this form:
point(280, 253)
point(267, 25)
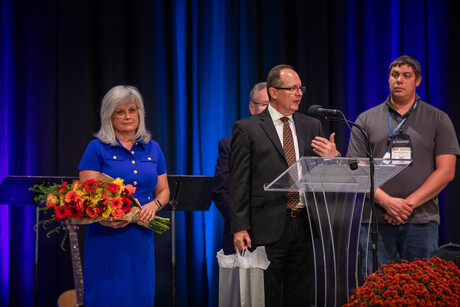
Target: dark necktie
point(289, 152)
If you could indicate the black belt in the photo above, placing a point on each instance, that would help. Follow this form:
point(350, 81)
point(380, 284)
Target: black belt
point(295, 212)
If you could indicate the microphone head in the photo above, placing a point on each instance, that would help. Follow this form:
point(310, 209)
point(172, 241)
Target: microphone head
point(353, 163)
point(313, 110)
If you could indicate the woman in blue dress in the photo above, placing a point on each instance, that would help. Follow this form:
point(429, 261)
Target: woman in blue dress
point(119, 262)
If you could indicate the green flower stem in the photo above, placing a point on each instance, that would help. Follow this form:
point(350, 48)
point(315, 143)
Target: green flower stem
point(159, 224)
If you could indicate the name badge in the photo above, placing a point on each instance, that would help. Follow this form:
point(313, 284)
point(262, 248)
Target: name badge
point(400, 148)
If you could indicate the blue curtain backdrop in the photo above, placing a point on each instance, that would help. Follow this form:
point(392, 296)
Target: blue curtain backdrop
point(195, 63)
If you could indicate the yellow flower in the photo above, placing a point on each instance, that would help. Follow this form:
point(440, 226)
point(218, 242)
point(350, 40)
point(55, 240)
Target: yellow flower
point(95, 200)
point(107, 212)
point(76, 185)
point(118, 181)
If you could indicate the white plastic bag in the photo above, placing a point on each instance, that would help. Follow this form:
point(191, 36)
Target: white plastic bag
point(226, 261)
point(241, 278)
point(253, 260)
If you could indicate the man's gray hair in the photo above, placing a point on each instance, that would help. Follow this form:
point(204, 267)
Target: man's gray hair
point(255, 89)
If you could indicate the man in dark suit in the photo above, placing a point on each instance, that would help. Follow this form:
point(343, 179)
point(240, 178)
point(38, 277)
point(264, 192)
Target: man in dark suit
point(263, 146)
point(258, 101)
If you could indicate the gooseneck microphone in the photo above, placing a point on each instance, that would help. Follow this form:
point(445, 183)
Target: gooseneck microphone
point(317, 111)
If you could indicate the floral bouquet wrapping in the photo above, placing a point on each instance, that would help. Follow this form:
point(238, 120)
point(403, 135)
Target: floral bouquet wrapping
point(93, 201)
point(433, 282)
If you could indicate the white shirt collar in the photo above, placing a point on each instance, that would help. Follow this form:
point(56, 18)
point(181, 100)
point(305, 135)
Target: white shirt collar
point(276, 115)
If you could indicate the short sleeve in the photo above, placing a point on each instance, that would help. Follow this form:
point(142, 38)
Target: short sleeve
point(446, 141)
point(357, 144)
point(92, 158)
point(161, 169)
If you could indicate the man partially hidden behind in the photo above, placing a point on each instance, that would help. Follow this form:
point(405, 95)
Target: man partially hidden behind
point(264, 146)
point(258, 101)
point(405, 127)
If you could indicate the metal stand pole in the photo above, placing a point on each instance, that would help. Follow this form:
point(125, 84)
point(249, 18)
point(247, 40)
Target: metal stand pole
point(173, 203)
point(36, 257)
point(173, 251)
point(373, 224)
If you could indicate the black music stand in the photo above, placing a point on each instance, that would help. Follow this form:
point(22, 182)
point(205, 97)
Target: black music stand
point(14, 190)
point(188, 193)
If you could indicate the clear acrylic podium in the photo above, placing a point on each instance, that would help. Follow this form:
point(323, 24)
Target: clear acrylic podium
point(335, 196)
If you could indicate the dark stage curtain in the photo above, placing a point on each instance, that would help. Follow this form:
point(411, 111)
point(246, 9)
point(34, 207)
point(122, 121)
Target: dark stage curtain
point(194, 62)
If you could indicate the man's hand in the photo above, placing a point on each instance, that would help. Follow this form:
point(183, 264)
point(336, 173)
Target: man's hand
point(398, 210)
point(390, 219)
point(241, 240)
point(324, 147)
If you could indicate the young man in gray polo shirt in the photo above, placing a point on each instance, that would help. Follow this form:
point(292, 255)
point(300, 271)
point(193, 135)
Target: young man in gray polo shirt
point(407, 206)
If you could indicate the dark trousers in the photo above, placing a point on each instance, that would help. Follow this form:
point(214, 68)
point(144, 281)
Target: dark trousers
point(291, 265)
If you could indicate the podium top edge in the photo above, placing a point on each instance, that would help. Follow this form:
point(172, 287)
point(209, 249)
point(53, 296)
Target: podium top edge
point(188, 176)
point(36, 178)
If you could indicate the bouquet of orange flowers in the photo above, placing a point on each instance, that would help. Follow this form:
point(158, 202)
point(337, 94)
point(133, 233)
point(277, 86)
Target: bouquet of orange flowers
point(93, 201)
point(433, 282)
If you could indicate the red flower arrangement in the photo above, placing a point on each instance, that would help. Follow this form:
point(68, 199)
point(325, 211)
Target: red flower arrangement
point(92, 201)
point(433, 282)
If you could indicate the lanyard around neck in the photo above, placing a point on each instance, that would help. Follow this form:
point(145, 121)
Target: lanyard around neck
point(391, 133)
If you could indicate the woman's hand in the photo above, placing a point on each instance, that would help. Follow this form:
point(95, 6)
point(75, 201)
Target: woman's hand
point(148, 211)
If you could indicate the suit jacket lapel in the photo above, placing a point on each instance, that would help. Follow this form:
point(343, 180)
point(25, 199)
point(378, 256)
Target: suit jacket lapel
point(300, 135)
point(267, 125)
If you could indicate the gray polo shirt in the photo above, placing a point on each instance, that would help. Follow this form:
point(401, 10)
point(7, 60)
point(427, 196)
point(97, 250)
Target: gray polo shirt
point(431, 133)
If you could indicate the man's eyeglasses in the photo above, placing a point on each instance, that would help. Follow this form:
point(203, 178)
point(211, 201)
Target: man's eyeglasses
point(293, 89)
point(260, 103)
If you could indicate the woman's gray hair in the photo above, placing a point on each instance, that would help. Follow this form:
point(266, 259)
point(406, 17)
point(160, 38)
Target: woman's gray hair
point(118, 96)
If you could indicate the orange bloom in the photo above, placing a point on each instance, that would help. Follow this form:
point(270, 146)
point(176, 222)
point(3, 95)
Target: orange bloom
point(118, 213)
point(130, 189)
point(92, 212)
point(116, 203)
point(76, 185)
point(63, 188)
point(432, 282)
point(72, 197)
point(51, 201)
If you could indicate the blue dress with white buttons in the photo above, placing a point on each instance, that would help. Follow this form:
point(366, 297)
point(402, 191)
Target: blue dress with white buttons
point(119, 264)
